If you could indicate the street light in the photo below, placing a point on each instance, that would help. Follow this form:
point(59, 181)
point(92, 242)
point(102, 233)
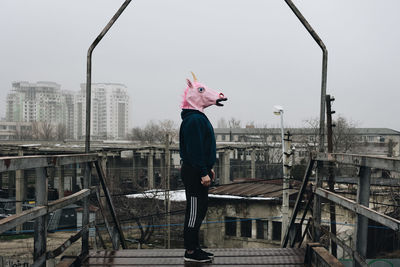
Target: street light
point(285, 193)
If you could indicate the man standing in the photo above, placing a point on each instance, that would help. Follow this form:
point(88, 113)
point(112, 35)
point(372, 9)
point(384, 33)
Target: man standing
point(198, 154)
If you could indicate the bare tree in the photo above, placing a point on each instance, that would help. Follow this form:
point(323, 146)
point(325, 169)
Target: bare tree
point(61, 132)
point(234, 123)
point(23, 132)
point(35, 131)
point(46, 130)
point(344, 136)
point(154, 132)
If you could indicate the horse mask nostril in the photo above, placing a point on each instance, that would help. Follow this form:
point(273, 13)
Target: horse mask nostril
point(221, 95)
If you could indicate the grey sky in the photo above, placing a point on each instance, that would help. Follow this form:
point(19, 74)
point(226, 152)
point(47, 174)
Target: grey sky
point(256, 52)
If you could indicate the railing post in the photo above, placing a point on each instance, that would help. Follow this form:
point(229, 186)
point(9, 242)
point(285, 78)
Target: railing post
point(150, 170)
point(19, 191)
point(361, 231)
point(85, 213)
point(40, 225)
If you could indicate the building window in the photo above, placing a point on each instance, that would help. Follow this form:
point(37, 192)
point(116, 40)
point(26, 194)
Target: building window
point(276, 230)
point(262, 229)
point(230, 226)
point(223, 137)
point(245, 227)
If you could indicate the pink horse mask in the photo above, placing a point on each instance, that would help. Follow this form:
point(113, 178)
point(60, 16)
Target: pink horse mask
point(198, 96)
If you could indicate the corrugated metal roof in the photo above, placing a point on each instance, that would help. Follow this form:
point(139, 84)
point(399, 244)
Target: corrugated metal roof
point(253, 188)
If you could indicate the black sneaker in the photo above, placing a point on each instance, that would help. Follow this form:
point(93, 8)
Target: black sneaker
point(196, 256)
point(210, 255)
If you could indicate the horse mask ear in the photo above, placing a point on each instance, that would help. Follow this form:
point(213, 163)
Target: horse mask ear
point(189, 83)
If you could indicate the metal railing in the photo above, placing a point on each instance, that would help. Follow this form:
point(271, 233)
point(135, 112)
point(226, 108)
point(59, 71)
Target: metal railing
point(43, 208)
point(360, 206)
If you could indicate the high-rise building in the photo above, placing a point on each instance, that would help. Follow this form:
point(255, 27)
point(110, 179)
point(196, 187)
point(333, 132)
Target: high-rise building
point(109, 111)
point(41, 101)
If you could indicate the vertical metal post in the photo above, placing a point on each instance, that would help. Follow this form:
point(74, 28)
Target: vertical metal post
point(253, 163)
point(89, 71)
point(19, 191)
point(85, 213)
point(167, 188)
point(331, 175)
point(317, 202)
point(324, 70)
point(40, 224)
point(150, 170)
point(285, 193)
point(361, 231)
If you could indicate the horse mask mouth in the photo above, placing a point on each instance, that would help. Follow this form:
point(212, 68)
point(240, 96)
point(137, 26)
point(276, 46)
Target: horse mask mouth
point(218, 102)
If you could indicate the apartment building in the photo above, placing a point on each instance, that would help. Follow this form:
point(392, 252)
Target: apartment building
point(38, 102)
point(109, 111)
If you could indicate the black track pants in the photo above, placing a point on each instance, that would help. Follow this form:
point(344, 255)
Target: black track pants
point(196, 205)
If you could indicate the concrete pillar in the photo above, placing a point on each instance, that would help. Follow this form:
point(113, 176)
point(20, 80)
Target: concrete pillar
point(74, 185)
point(361, 231)
point(60, 174)
point(269, 237)
point(134, 173)
point(150, 170)
point(253, 163)
point(19, 191)
point(226, 168)
point(11, 183)
point(254, 229)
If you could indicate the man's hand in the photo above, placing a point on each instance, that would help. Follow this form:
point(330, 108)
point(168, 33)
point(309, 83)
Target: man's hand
point(212, 175)
point(205, 180)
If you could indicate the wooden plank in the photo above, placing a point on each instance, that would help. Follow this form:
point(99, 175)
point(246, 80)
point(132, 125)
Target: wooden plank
point(65, 201)
point(58, 251)
point(360, 209)
point(162, 253)
point(28, 215)
point(217, 260)
point(31, 162)
point(17, 219)
point(385, 163)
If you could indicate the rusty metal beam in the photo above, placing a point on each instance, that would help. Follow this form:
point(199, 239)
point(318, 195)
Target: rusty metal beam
point(103, 183)
point(386, 163)
point(298, 201)
point(31, 162)
point(360, 209)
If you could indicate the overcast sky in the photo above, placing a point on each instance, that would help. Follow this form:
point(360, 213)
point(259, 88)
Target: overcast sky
point(256, 52)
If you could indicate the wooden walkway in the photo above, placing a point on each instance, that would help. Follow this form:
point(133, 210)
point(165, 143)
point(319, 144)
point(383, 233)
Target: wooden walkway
point(277, 257)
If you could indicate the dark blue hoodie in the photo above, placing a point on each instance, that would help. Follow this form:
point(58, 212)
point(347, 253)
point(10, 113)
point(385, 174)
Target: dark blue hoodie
point(197, 141)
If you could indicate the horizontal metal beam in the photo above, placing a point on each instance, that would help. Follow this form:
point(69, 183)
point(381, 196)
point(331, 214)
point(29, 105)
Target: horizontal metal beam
point(385, 163)
point(360, 209)
point(28, 215)
point(31, 162)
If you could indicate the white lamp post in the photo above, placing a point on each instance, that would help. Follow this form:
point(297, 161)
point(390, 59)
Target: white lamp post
point(285, 192)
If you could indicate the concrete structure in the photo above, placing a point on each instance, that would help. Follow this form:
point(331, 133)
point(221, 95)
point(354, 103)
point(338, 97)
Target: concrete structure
point(14, 130)
point(110, 111)
point(371, 141)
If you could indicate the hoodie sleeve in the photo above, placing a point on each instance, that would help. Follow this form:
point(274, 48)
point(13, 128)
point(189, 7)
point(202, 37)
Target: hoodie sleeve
point(194, 135)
